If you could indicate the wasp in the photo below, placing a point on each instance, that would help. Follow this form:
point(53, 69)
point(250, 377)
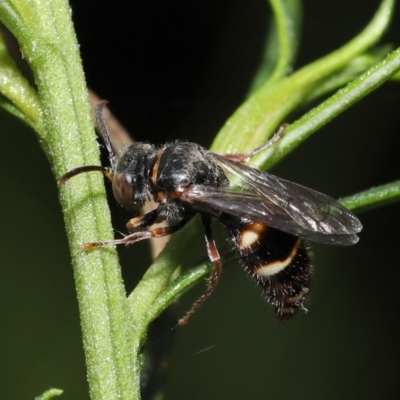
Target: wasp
point(267, 218)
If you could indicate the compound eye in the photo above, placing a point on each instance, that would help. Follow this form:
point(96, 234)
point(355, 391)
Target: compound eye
point(123, 189)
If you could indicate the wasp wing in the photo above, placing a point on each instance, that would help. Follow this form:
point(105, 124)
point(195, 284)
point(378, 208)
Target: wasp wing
point(281, 204)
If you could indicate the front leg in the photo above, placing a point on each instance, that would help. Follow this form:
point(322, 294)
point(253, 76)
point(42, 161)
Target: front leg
point(140, 235)
point(147, 219)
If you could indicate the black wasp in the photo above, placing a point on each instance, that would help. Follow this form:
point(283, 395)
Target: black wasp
point(266, 219)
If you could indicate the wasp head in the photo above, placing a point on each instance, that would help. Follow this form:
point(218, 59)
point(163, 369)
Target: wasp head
point(128, 171)
point(130, 178)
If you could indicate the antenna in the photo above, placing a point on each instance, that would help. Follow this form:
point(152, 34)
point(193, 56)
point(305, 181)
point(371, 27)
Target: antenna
point(107, 171)
point(102, 127)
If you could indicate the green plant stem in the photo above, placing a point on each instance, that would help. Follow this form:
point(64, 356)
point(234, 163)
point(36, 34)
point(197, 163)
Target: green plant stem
point(45, 33)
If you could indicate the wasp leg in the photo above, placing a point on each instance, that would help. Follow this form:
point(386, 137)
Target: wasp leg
point(141, 235)
point(147, 219)
point(215, 273)
point(244, 158)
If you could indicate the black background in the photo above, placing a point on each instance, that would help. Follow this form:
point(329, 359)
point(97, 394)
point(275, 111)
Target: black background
point(177, 70)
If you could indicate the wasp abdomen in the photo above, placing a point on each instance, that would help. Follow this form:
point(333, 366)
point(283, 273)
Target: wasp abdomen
point(278, 261)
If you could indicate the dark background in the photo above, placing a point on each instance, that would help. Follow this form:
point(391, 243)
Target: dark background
point(177, 70)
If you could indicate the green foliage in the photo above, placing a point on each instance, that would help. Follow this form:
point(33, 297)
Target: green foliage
point(56, 107)
point(49, 394)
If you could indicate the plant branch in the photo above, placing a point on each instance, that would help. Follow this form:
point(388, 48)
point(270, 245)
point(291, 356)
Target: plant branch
point(46, 37)
point(255, 120)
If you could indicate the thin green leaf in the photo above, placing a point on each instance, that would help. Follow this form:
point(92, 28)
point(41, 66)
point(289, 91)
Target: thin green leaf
point(351, 71)
point(281, 42)
point(329, 109)
point(396, 77)
point(49, 394)
point(16, 88)
point(372, 198)
point(257, 118)
point(12, 109)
